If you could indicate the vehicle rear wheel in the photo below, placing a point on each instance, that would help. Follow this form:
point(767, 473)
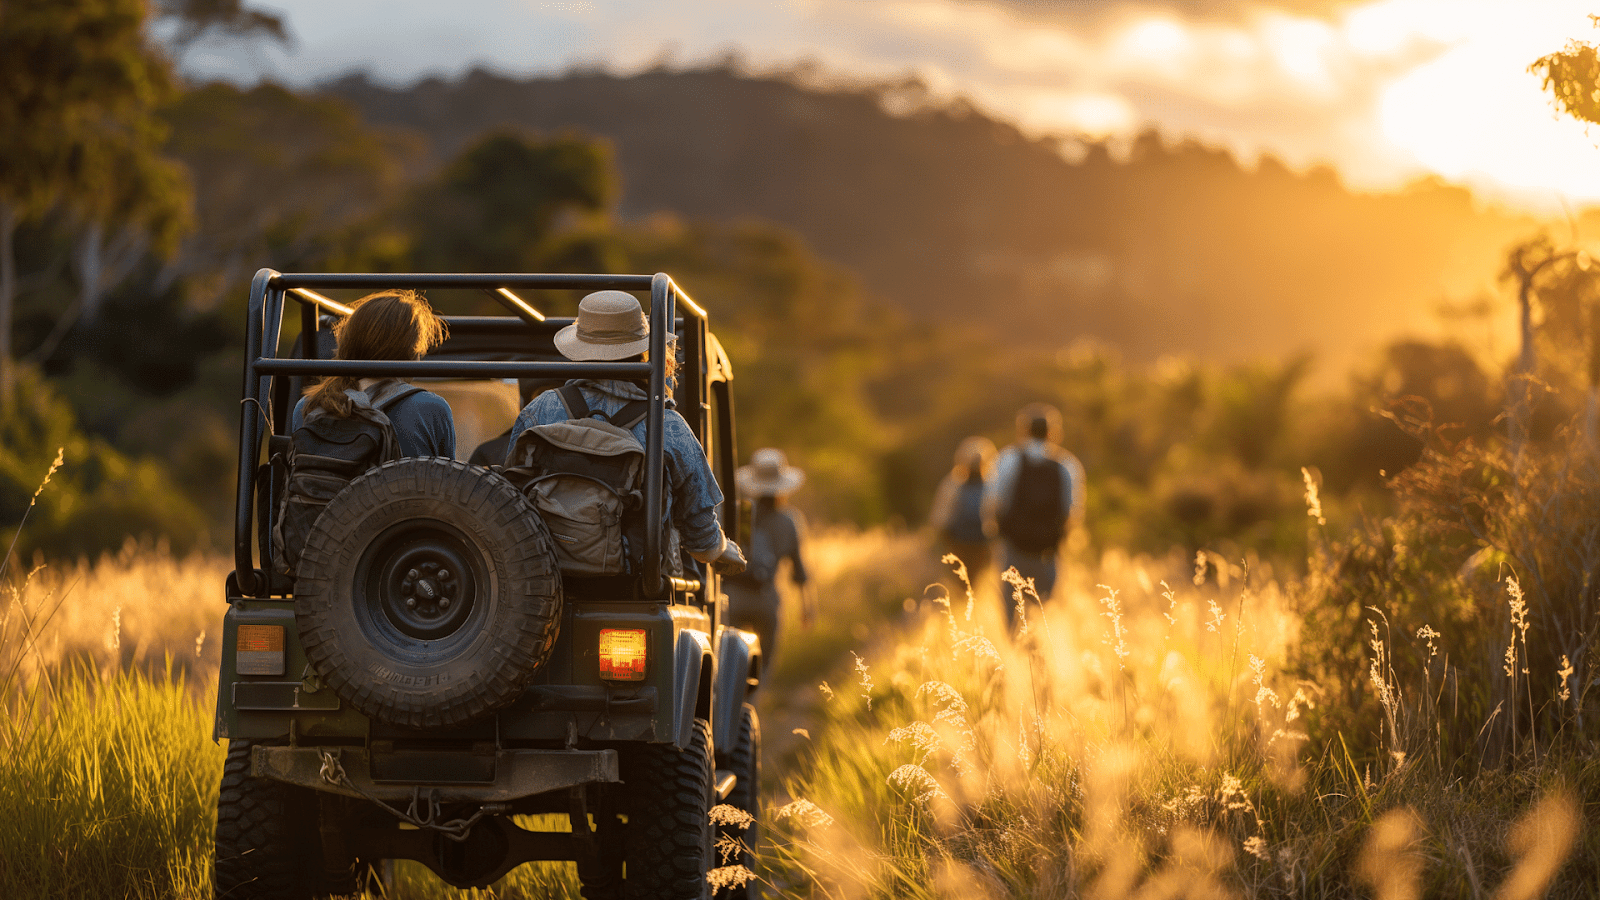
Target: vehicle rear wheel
point(427, 594)
point(745, 763)
point(669, 841)
point(266, 835)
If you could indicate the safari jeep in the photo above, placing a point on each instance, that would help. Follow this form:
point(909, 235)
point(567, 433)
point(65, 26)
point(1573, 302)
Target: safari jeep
point(543, 718)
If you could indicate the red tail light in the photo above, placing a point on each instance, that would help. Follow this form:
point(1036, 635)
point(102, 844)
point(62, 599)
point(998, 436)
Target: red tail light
point(622, 654)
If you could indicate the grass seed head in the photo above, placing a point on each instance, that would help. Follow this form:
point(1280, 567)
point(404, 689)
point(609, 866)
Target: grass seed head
point(1541, 840)
point(725, 878)
point(804, 813)
point(1390, 860)
point(727, 814)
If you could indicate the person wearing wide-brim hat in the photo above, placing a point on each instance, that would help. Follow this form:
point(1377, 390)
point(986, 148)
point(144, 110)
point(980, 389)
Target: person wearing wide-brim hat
point(611, 327)
point(777, 532)
point(769, 475)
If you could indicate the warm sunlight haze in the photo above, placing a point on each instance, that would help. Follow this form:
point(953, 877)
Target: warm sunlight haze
point(1386, 91)
point(799, 449)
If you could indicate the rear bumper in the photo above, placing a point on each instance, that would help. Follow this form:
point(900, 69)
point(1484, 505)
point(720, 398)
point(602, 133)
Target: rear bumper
point(494, 777)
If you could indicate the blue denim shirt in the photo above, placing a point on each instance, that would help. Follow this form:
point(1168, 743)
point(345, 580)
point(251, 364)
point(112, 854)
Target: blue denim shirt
point(692, 493)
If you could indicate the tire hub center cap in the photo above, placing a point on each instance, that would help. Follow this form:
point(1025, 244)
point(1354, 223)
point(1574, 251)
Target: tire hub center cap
point(428, 590)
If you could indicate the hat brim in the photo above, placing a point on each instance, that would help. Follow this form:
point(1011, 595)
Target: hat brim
point(575, 348)
point(788, 481)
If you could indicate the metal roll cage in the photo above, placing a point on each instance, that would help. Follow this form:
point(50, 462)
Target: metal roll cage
point(266, 399)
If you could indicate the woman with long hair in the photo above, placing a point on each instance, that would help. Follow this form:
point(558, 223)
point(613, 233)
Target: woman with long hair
point(957, 514)
point(395, 324)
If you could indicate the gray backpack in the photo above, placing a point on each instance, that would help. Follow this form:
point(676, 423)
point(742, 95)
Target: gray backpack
point(327, 452)
point(585, 476)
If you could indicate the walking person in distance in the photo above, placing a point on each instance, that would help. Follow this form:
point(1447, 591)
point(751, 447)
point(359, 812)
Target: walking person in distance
point(776, 533)
point(957, 514)
point(1035, 495)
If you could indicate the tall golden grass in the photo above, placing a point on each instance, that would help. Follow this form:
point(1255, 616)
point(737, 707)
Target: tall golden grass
point(108, 776)
point(1139, 737)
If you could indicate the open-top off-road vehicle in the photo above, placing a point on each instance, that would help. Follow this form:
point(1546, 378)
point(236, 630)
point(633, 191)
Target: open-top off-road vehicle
point(428, 678)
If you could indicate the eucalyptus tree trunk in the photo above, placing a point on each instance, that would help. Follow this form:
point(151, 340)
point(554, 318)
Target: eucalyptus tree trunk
point(88, 261)
point(1522, 379)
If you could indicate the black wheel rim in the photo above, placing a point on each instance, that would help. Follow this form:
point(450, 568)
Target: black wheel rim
point(420, 591)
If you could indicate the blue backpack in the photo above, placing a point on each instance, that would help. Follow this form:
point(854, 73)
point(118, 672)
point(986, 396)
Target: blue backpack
point(966, 517)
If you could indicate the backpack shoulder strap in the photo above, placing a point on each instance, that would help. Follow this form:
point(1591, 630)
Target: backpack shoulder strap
point(577, 407)
point(631, 414)
point(624, 418)
point(392, 393)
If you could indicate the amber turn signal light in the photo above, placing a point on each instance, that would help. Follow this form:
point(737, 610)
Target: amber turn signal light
point(258, 650)
point(622, 654)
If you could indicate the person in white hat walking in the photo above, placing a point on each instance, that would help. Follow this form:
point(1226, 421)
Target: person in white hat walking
point(776, 533)
point(611, 326)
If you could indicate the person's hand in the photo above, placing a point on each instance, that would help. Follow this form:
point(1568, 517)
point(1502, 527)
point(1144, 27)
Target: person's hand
point(808, 607)
point(730, 561)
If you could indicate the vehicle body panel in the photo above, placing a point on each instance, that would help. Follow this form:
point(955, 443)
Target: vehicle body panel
point(568, 708)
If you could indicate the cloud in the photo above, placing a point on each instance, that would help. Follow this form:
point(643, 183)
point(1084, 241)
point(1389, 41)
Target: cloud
point(1383, 89)
point(1092, 13)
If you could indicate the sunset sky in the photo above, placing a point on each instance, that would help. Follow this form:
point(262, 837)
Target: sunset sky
point(1384, 90)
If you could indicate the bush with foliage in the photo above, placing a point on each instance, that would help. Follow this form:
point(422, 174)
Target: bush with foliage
point(101, 496)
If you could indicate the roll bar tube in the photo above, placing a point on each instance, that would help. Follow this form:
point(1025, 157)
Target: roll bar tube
point(264, 325)
point(661, 318)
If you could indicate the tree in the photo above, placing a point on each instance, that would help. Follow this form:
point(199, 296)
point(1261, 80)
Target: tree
point(1572, 76)
point(506, 203)
point(281, 179)
point(77, 131)
point(194, 19)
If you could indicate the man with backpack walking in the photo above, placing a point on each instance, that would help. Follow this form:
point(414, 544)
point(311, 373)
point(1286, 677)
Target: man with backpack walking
point(1035, 495)
point(600, 426)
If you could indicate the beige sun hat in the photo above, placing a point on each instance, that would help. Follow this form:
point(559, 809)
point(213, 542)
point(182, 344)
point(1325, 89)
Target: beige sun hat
point(611, 325)
point(769, 475)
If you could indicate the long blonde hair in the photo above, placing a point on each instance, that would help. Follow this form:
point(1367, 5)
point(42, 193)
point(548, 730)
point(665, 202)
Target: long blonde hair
point(386, 325)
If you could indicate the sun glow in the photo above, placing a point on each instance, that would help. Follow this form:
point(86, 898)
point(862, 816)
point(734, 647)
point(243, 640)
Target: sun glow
point(1475, 113)
point(1383, 90)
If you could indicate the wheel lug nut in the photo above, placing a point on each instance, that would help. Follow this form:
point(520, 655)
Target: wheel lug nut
point(444, 574)
point(411, 602)
point(412, 575)
point(444, 603)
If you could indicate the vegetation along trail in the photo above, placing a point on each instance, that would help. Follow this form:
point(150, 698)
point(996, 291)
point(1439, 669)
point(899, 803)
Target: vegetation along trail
point(1330, 624)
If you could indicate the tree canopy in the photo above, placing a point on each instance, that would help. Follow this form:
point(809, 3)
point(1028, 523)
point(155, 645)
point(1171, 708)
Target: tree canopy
point(78, 116)
point(1572, 76)
point(505, 203)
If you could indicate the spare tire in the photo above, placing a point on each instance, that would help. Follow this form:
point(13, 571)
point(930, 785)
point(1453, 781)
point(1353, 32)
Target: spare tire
point(427, 594)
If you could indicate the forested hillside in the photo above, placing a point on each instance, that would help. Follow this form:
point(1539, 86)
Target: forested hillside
point(951, 214)
point(891, 276)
